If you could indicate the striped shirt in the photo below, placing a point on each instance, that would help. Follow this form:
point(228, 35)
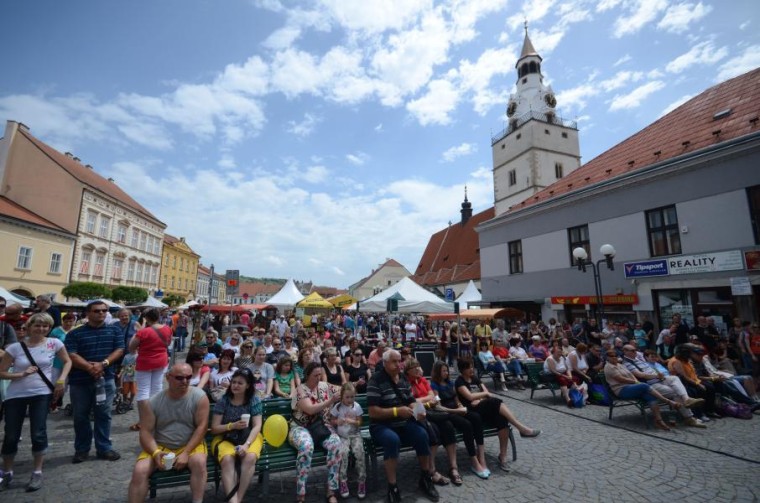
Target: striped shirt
point(94, 344)
point(380, 392)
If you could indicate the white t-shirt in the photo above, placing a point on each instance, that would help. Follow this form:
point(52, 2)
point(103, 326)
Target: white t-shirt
point(411, 331)
point(32, 385)
point(217, 378)
point(343, 412)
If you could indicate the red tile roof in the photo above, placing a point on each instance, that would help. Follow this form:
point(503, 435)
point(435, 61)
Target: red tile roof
point(256, 288)
point(88, 176)
point(10, 209)
point(690, 127)
point(452, 255)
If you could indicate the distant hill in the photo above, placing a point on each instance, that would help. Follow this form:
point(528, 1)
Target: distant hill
point(268, 281)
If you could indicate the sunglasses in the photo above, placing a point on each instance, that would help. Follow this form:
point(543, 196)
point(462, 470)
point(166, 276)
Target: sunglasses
point(99, 310)
point(358, 354)
point(182, 378)
point(2, 306)
point(247, 347)
point(277, 345)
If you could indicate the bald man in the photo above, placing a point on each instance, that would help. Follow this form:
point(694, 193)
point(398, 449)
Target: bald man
point(175, 420)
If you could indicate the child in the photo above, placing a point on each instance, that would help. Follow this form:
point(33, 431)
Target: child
point(347, 417)
point(285, 379)
point(127, 375)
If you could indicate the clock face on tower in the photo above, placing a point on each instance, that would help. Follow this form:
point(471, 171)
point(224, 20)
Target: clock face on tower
point(550, 100)
point(511, 108)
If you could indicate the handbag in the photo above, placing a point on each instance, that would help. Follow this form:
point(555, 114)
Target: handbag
point(318, 430)
point(34, 364)
point(576, 397)
point(597, 394)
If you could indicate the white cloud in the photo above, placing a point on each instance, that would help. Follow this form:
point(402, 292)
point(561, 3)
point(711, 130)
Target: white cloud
point(461, 150)
point(605, 5)
point(376, 16)
point(704, 53)
point(337, 270)
point(745, 24)
point(379, 128)
point(435, 106)
point(227, 161)
point(638, 14)
point(746, 61)
point(576, 98)
point(635, 97)
point(305, 127)
point(274, 260)
point(680, 101)
point(315, 174)
point(620, 79)
point(622, 60)
point(678, 17)
point(358, 158)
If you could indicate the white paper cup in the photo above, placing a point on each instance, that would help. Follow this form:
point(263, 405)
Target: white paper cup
point(245, 417)
point(169, 460)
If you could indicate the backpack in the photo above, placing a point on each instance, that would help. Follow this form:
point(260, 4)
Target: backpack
point(731, 408)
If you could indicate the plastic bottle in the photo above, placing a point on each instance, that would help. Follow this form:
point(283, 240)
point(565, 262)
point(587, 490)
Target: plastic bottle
point(100, 391)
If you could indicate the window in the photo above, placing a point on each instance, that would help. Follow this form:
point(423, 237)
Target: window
point(174, 262)
point(100, 261)
point(166, 261)
point(512, 177)
point(131, 271)
point(135, 238)
point(578, 237)
point(753, 194)
point(84, 265)
point(146, 274)
point(662, 229)
point(156, 246)
point(564, 135)
point(153, 274)
point(139, 274)
point(24, 258)
point(90, 223)
point(181, 263)
point(515, 257)
point(118, 265)
point(121, 235)
point(149, 246)
point(105, 225)
point(172, 283)
point(165, 282)
point(55, 263)
point(143, 239)
point(559, 171)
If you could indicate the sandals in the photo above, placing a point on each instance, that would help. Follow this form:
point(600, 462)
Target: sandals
point(456, 477)
point(439, 479)
point(661, 425)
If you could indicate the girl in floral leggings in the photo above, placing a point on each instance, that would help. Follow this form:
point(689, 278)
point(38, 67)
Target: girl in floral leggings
point(308, 428)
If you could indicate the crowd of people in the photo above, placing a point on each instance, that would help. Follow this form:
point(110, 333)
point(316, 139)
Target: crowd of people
point(231, 368)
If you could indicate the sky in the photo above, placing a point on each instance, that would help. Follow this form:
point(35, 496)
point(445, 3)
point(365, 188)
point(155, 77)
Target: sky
point(314, 140)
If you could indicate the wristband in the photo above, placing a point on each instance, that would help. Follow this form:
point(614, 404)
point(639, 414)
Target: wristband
point(59, 381)
point(229, 426)
point(106, 363)
point(158, 449)
point(395, 412)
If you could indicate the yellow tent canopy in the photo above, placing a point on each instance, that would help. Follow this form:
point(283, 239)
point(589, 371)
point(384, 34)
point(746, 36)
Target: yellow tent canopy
point(314, 301)
point(341, 300)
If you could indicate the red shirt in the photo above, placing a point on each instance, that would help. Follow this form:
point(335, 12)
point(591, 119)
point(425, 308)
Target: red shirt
point(420, 388)
point(151, 354)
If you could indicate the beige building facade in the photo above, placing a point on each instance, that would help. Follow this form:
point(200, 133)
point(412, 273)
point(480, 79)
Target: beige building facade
point(118, 242)
point(387, 274)
point(179, 270)
point(35, 256)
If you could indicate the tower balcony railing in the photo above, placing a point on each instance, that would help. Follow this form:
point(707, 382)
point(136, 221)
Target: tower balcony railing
point(516, 122)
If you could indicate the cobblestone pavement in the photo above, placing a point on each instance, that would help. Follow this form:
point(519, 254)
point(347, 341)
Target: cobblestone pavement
point(579, 457)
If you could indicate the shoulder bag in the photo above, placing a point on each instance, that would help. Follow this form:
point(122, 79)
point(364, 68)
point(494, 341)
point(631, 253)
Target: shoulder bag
point(34, 363)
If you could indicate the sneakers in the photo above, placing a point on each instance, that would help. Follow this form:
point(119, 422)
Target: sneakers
point(35, 483)
point(79, 457)
point(394, 495)
point(344, 489)
point(362, 490)
point(696, 423)
point(427, 487)
point(691, 403)
point(109, 456)
point(5, 480)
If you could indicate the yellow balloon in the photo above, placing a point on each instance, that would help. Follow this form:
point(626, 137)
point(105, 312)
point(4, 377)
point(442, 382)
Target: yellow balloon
point(275, 430)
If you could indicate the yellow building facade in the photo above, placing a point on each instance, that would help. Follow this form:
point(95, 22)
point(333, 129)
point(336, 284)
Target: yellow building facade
point(179, 268)
point(35, 255)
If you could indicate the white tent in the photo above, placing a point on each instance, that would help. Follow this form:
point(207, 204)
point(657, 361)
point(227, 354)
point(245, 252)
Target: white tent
point(470, 294)
point(12, 298)
point(415, 299)
point(151, 302)
point(107, 302)
point(287, 297)
point(188, 305)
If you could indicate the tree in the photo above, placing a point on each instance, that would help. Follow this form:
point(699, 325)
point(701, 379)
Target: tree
point(173, 300)
point(129, 294)
point(86, 290)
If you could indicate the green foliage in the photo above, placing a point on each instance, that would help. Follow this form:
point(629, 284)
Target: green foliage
point(85, 290)
point(173, 300)
point(129, 294)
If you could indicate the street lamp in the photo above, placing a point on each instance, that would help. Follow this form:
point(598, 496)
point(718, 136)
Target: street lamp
point(581, 257)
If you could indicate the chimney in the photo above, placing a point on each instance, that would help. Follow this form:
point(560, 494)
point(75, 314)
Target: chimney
point(466, 210)
point(110, 179)
point(69, 155)
point(89, 166)
point(77, 159)
point(23, 126)
point(182, 239)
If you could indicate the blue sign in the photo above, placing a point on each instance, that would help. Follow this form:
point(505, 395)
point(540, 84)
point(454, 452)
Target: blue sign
point(450, 294)
point(159, 293)
point(646, 268)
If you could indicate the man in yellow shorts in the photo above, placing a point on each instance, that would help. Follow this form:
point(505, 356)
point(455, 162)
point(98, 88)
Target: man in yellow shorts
point(175, 422)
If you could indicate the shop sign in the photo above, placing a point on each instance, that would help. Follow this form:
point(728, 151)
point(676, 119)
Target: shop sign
point(646, 268)
point(752, 258)
point(591, 299)
point(707, 262)
point(741, 286)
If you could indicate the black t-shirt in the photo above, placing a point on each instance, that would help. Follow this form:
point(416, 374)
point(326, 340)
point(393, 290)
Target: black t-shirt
point(474, 387)
point(447, 393)
point(354, 373)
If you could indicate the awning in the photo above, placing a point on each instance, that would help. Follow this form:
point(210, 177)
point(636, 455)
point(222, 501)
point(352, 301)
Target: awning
point(341, 300)
point(314, 301)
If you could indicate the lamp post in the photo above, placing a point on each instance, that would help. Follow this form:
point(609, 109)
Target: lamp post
point(582, 260)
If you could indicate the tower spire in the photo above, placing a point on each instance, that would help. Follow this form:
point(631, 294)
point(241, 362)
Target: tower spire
point(466, 210)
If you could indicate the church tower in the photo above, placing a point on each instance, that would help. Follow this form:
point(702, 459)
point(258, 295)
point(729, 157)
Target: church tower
point(537, 147)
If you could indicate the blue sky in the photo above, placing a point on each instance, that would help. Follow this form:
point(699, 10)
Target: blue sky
point(316, 139)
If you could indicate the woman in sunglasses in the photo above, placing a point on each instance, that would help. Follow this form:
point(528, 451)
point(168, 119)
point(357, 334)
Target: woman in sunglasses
point(201, 372)
point(236, 422)
point(357, 371)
